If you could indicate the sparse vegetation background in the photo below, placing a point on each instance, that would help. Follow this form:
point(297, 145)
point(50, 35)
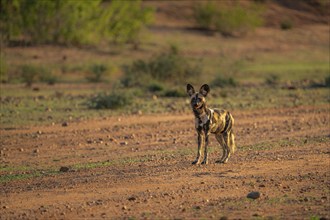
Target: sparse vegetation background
point(95, 122)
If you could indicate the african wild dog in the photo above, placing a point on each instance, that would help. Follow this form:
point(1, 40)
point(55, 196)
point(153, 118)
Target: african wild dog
point(215, 121)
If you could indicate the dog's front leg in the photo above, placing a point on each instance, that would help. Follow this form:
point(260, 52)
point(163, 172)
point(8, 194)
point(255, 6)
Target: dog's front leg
point(205, 161)
point(200, 146)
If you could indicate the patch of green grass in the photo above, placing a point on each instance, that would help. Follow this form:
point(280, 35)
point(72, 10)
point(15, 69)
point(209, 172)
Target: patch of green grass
point(92, 165)
point(314, 217)
point(21, 106)
point(107, 163)
point(11, 177)
point(11, 169)
point(289, 71)
point(28, 174)
point(285, 143)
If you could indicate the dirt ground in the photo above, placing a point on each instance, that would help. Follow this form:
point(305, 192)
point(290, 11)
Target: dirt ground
point(139, 167)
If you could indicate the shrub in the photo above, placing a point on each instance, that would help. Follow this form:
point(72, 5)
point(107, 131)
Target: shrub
point(327, 81)
point(96, 73)
point(228, 20)
point(204, 14)
point(155, 87)
point(29, 74)
point(126, 20)
point(3, 69)
point(49, 78)
point(221, 81)
point(272, 79)
point(237, 20)
point(114, 100)
point(168, 67)
point(286, 24)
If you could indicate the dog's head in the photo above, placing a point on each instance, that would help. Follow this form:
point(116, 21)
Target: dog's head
point(197, 99)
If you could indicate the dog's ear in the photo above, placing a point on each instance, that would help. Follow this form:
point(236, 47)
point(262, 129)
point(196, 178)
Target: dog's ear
point(204, 90)
point(190, 90)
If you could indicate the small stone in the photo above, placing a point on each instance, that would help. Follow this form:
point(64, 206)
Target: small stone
point(65, 124)
point(124, 207)
point(36, 151)
point(253, 195)
point(197, 207)
point(124, 143)
point(64, 169)
point(132, 198)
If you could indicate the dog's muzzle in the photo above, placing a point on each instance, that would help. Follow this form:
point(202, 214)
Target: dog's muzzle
point(197, 106)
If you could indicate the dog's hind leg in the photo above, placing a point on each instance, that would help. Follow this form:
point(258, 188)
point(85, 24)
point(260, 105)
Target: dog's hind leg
point(229, 147)
point(221, 141)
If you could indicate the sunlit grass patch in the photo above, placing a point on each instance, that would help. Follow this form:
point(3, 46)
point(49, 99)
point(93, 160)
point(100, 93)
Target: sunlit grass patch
point(270, 145)
point(17, 174)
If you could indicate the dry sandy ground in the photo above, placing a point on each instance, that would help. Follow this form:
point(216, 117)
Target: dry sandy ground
point(139, 167)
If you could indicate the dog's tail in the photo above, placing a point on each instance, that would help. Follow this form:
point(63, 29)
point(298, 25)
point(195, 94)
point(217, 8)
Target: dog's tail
point(229, 129)
point(231, 142)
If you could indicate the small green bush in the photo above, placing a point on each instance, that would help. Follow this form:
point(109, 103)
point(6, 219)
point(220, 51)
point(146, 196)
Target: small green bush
point(168, 67)
point(327, 81)
point(96, 73)
point(272, 79)
point(3, 69)
point(238, 20)
point(204, 14)
point(286, 24)
point(114, 100)
point(49, 78)
point(29, 74)
point(155, 87)
point(221, 81)
point(228, 20)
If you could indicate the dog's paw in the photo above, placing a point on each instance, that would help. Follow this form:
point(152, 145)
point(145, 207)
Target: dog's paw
point(205, 162)
point(195, 162)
